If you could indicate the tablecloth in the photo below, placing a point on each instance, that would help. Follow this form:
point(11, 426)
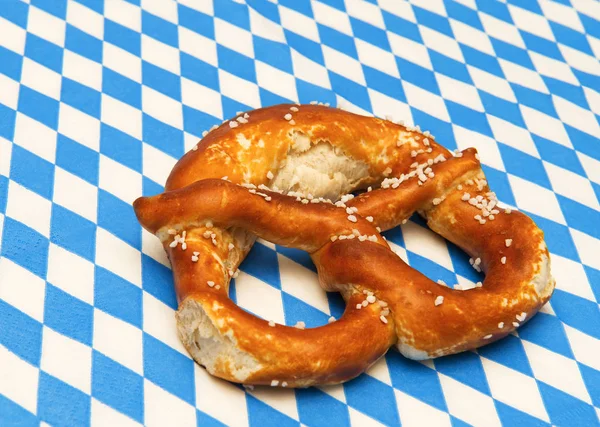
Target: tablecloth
point(99, 99)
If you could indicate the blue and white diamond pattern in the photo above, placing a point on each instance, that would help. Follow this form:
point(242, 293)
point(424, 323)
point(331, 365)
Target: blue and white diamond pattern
point(99, 99)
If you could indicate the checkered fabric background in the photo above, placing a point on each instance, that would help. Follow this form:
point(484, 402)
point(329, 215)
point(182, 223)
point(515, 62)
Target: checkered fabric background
point(98, 100)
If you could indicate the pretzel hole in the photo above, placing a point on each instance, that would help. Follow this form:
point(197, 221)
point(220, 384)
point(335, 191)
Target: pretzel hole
point(432, 255)
point(281, 284)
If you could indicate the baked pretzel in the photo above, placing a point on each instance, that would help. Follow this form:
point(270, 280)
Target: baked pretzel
point(285, 174)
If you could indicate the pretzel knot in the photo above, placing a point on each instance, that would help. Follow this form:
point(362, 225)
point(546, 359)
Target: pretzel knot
point(289, 171)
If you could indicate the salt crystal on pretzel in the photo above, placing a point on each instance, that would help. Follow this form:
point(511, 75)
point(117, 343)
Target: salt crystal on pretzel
point(330, 153)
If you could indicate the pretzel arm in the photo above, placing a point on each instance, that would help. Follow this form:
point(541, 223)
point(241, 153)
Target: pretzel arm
point(281, 220)
point(389, 207)
point(253, 352)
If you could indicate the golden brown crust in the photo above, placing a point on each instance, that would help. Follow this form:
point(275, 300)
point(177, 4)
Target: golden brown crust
point(220, 153)
point(220, 219)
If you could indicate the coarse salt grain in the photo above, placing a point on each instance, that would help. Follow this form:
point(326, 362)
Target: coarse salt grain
point(487, 337)
point(233, 124)
point(516, 324)
point(503, 260)
point(271, 323)
point(383, 319)
point(439, 300)
point(270, 175)
point(210, 283)
point(371, 299)
point(288, 116)
point(274, 383)
point(294, 109)
point(300, 325)
point(352, 218)
point(508, 242)
point(500, 325)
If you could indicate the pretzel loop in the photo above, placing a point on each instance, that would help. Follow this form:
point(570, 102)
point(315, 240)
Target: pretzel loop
point(208, 225)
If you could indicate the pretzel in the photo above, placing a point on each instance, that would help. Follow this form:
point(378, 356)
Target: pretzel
point(285, 174)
